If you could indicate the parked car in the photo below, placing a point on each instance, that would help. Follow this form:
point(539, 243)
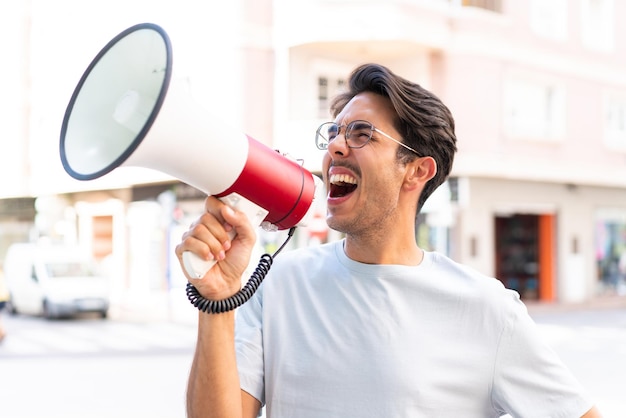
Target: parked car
point(54, 281)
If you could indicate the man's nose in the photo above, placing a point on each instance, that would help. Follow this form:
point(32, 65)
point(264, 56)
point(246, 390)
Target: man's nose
point(339, 146)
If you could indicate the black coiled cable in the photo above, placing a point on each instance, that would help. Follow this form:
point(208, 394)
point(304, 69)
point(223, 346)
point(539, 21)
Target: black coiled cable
point(246, 292)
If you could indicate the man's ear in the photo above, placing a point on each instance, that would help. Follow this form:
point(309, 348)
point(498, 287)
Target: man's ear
point(419, 171)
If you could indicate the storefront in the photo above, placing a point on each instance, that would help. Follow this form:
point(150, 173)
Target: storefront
point(549, 241)
point(610, 249)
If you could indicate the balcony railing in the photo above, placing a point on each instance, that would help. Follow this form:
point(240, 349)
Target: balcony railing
point(492, 5)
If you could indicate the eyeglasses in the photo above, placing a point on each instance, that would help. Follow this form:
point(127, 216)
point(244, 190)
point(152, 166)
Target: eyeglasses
point(357, 133)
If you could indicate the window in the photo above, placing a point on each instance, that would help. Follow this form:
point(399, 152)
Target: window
point(548, 18)
point(615, 121)
point(534, 109)
point(597, 24)
point(327, 89)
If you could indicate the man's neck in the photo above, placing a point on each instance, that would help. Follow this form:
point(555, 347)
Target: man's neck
point(384, 249)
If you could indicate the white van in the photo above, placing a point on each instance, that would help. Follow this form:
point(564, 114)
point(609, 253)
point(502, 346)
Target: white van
point(54, 281)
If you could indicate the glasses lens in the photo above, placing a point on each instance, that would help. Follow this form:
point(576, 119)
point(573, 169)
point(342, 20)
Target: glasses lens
point(358, 133)
point(326, 133)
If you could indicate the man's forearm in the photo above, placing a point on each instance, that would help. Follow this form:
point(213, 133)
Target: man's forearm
point(213, 389)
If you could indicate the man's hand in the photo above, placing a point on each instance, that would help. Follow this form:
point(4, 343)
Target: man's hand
point(208, 238)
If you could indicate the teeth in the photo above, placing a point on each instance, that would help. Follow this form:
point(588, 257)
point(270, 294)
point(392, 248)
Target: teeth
point(342, 178)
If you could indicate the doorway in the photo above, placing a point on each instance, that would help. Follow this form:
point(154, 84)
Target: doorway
point(525, 254)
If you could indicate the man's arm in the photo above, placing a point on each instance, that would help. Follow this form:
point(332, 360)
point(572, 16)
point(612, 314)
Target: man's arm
point(213, 388)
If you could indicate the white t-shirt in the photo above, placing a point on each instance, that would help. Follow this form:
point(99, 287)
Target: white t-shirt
point(325, 337)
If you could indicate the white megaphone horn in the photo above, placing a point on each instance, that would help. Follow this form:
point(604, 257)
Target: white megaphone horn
point(127, 111)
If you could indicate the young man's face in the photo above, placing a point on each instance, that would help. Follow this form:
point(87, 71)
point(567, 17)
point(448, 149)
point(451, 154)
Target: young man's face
point(363, 184)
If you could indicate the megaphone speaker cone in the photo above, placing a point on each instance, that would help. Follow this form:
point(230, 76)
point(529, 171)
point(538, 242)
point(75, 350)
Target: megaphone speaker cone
point(116, 101)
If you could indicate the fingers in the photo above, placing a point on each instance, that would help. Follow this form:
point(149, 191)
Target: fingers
point(208, 237)
point(236, 220)
point(212, 235)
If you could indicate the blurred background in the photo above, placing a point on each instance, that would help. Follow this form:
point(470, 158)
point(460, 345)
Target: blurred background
point(537, 195)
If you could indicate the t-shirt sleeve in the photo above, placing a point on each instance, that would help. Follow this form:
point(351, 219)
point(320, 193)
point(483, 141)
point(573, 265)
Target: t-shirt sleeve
point(249, 346)
point(529, 378)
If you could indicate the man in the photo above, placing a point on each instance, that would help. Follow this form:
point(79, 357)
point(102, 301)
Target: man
point(372, 325)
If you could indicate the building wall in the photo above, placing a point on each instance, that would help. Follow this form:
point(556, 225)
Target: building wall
point(15, 100)
point(577, 210)
point(256, 65)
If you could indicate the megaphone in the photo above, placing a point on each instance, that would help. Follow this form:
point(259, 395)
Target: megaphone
point(128, 110)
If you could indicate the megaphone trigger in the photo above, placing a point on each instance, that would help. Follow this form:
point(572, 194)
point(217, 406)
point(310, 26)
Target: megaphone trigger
point(196, 267)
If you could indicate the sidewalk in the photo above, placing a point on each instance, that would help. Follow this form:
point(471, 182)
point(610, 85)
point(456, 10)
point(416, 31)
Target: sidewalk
point(597, 303)
point(159, 306)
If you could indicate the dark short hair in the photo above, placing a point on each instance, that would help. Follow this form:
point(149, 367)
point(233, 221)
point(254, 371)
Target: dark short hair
point(424, 122)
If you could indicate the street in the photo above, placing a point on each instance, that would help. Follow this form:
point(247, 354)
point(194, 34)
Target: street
point(88, 367)
point(592, 342)
point(94, 368)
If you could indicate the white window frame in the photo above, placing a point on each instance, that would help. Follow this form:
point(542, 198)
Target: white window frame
point(534, 108)
point(335, 84)
point(598, 24)
point(336, 73)
point(614, 119)
point(548, 19)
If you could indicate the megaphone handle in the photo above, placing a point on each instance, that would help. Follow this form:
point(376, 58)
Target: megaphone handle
point(196, 267)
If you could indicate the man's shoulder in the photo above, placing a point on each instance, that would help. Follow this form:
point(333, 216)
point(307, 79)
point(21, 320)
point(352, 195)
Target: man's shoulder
point(446, 265)
point(473, 286)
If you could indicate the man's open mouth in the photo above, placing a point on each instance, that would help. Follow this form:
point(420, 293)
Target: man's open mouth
point(341, 185)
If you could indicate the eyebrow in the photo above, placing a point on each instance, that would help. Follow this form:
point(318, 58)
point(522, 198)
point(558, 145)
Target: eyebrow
point(361, 123)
